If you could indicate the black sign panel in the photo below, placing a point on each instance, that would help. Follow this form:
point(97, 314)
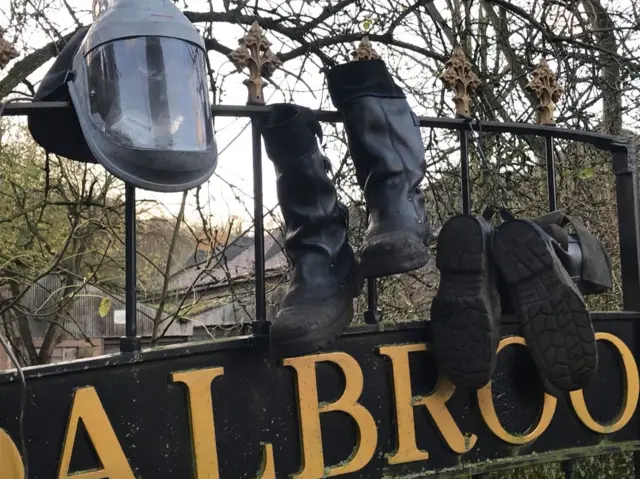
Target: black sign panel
point(374, 406)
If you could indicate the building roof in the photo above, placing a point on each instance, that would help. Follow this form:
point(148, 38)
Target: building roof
point(228, 268)
point(79, 316)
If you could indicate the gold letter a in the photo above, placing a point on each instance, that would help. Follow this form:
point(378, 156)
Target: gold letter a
point(87, 406)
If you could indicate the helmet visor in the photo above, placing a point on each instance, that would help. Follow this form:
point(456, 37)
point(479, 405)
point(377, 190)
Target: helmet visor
point(151, 93)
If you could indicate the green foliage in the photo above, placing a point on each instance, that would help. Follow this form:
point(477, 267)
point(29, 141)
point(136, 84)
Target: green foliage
point(22, 210)
point(67, 217)
point(586, 173)
point(614, 466)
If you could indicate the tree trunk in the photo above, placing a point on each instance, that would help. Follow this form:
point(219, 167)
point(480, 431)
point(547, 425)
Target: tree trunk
point(609, 67)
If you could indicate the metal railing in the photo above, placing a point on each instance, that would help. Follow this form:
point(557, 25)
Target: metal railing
point(624, 168)
point(623, 163)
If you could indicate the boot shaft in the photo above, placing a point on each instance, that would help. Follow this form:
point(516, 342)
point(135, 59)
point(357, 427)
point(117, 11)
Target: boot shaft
point(316, 239)
point(385, 144)
point(387, 152)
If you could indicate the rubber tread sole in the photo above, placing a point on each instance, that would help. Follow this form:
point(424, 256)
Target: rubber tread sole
point(555, 321)
point(463, 323)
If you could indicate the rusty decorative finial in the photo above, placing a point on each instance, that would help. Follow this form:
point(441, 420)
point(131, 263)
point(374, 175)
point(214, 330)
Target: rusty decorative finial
point(7, 51)
point(364, 51)
point(544, 84)
point(460, 78)
point(255, 54)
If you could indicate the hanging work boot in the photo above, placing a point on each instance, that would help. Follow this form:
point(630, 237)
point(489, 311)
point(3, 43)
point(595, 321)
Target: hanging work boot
point(387, 150)
point(318, 305)
point(538, 259)
point(465, 313)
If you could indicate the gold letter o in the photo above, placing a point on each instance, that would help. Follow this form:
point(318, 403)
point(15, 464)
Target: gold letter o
point(632, 391)
point(488, 411)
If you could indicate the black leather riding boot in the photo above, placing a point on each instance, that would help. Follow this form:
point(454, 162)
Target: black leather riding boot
point(465, 313)
point(387, 150)
point(537, 263)
point(318, 305)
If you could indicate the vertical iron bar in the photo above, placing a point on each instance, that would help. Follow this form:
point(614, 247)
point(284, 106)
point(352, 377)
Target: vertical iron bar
point(260, 325)
point(628, 205)
point(625, 168)
point(131, 341)
point(636, 464)
point(551, 174)
point(372, 315)
point(464, 171)
point(567, 468)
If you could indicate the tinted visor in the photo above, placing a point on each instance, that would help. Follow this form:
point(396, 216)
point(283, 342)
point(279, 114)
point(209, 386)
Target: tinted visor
point(151, 92)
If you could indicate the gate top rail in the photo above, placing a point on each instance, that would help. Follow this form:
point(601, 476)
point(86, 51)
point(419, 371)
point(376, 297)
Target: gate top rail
point(599, 140)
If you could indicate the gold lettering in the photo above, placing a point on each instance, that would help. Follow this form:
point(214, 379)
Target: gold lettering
point(488, 411)
point(203, 431)
point(632, 391)
point(87, 406)
point(10, 460)
point(309, 412)
point(435, 403)
point(268, 469)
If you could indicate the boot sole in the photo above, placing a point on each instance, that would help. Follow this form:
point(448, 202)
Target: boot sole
point(392, 253)
point(465, 331)
point(555, 322)
point(315, 340)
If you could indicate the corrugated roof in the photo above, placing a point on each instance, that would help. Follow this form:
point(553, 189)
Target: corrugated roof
point(242, 265)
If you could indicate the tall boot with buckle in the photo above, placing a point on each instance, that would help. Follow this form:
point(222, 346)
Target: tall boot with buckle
point(547, 271)
point(318, 305)
point(388, 154)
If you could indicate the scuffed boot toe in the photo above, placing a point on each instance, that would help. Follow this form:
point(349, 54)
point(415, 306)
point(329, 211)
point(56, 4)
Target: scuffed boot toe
point(391, 253)
point(305, 329)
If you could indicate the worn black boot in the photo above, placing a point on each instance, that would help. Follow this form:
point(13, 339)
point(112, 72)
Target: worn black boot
point(544, 273)
point(318, 305)
point(387, 150)
point(465, 313)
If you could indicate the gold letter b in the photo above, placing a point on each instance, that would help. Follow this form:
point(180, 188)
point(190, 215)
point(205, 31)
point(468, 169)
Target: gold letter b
point(310, 410)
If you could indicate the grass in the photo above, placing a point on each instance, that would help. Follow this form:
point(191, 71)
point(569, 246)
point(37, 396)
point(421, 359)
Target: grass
point(615, 466)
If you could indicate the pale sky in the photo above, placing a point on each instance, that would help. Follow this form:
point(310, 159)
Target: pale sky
point(233, 135)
